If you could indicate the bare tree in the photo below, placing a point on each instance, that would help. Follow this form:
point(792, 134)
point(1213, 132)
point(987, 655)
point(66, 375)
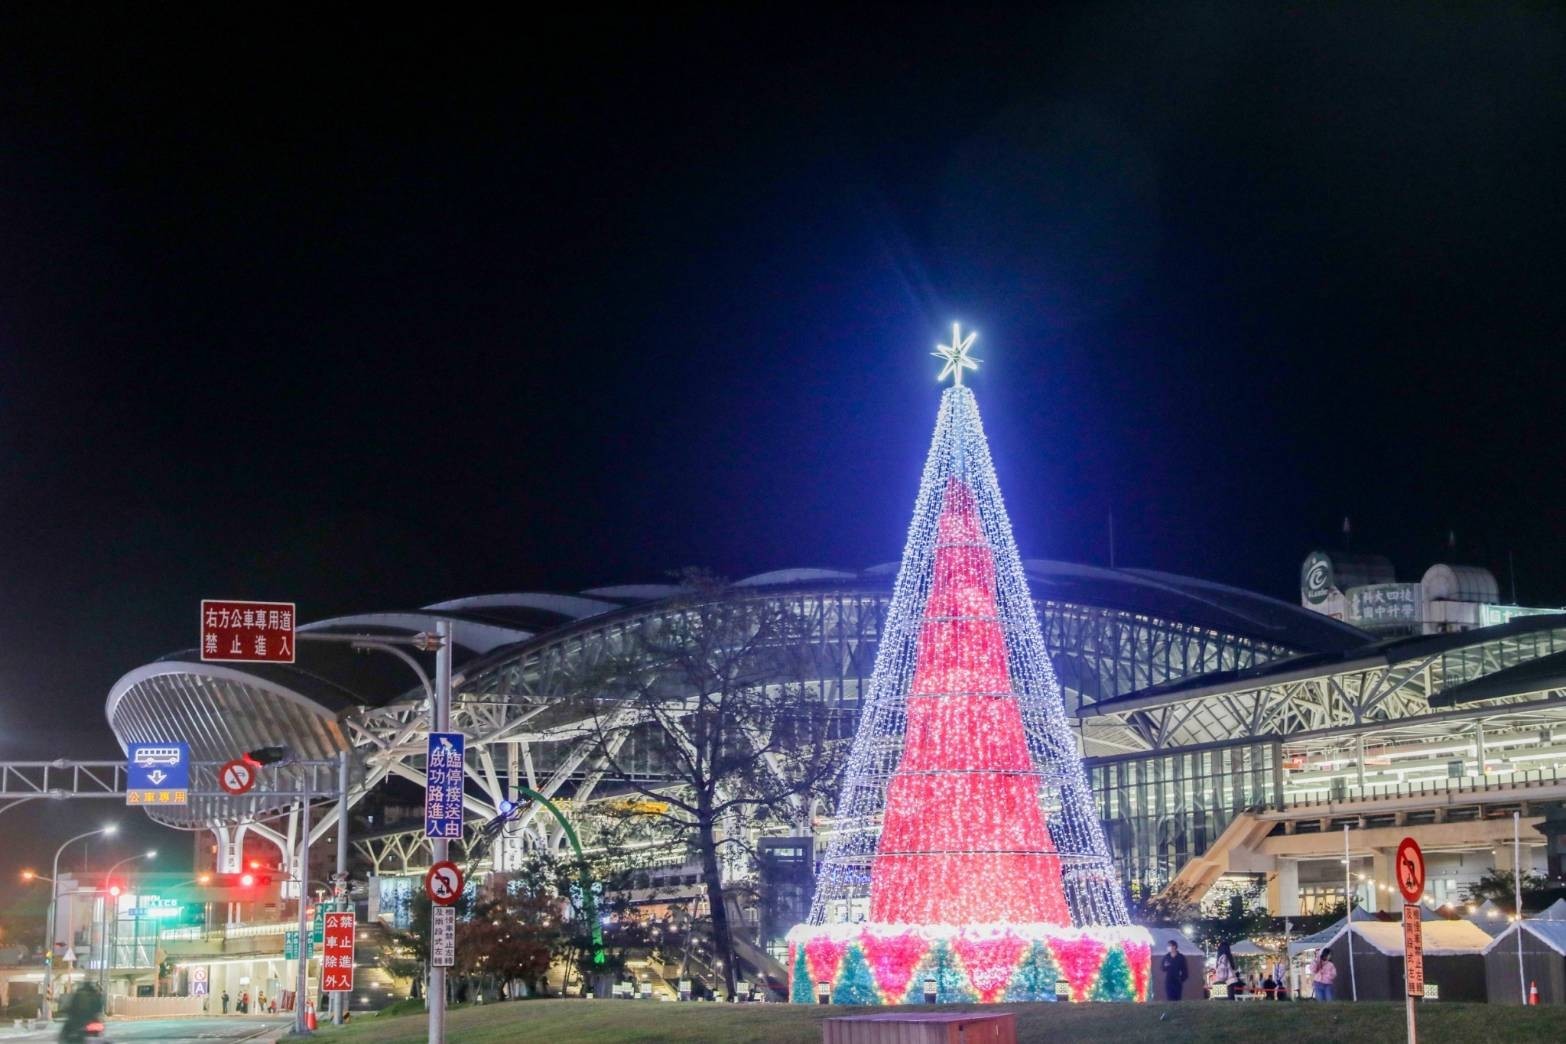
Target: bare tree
point(714, 695)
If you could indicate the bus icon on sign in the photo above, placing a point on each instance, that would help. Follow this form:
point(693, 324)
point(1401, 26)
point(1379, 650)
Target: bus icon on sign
point(146, 757)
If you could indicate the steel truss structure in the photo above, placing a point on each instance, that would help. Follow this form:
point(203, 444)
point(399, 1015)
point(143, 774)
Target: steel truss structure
point(527, 724)
point(1405, 687)
point(1148, 662)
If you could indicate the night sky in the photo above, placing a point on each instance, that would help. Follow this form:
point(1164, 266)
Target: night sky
point(366, 313)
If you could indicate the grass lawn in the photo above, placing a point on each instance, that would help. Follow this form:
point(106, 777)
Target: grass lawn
point(601, 1022)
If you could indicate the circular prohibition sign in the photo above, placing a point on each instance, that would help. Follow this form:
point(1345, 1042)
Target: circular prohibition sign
point(1410, 870)
point(237, 776)
point(443, 883)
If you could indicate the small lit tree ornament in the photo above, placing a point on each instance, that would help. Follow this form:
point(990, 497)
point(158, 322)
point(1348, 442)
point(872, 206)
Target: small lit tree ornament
point(965, 818)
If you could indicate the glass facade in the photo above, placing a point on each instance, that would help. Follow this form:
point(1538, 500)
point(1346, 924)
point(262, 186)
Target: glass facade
point(1160, 810)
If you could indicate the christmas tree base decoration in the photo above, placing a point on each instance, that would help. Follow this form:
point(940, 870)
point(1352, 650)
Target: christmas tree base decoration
point(966, 863)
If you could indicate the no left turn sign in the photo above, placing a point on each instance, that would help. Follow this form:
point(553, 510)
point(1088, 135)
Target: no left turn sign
point(443, 883)
point(237, 776)
point(1410, 870)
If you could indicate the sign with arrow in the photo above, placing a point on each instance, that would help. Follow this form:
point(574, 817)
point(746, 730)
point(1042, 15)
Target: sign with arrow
point(157, 774)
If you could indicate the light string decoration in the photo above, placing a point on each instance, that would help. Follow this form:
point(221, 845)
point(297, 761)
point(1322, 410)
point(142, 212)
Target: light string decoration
point(965, 850)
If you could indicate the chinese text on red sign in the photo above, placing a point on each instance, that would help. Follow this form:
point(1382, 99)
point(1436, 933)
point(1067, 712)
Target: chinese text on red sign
point(337, 953)
point(247, 632)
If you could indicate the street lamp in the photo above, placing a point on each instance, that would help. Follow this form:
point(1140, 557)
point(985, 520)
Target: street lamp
point(112, 898)
point(54, 898)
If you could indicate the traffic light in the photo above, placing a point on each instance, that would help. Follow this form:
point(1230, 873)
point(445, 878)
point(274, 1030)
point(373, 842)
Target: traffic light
point(114, 888)
point(267, 755)
point(245, 880)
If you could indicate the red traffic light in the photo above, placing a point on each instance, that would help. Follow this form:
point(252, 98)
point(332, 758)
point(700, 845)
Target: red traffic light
point(247, 879)
point(115, 889)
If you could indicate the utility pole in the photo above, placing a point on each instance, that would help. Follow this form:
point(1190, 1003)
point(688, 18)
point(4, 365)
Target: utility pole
point(440, 721)
point(301, 980)
point(1348, 896)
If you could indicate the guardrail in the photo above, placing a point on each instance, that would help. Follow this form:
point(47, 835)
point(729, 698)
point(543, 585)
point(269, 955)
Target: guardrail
point(229, 931)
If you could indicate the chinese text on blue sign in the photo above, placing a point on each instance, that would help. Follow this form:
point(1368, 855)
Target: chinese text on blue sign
point(157, 774)
point(443, 788)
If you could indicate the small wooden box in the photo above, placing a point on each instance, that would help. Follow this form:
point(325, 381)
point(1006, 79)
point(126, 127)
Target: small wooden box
point(923, 1027)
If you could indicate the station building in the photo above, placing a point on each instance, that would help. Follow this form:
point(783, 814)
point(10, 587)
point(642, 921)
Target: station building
point(1230, 737)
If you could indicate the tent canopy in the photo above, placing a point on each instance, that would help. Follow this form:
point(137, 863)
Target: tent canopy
point(1326, 935)
point(1549, 931)
point(1555, 912)
point(1441, 938)
point(1246, 948)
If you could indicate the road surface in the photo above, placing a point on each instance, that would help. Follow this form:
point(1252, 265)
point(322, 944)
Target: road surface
point(172, 1031)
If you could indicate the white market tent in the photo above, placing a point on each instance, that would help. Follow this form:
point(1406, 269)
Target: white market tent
point(1453, 957)
point(1543, 940)
point(1316, 941)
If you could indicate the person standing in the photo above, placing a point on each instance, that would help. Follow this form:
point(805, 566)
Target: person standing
point(1280, 979)
point(225, 1002)
point(1322, 975)
point(1175, 972)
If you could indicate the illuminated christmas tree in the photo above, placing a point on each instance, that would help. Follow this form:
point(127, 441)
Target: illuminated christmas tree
point(965, 837)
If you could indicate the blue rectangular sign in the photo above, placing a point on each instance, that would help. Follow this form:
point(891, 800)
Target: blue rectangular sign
point(443, 787)
point(157, 774)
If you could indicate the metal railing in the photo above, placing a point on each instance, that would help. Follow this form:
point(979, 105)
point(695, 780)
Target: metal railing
point(1490, 784)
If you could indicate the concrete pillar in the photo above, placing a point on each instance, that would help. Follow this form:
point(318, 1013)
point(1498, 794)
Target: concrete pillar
point(230, 849)
point(1501, 856)
point(1283, 889)
point(1383, 880)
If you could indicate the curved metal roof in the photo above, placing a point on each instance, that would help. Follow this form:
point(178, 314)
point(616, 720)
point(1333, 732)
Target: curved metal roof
point(222, 710)
point(1193, 601)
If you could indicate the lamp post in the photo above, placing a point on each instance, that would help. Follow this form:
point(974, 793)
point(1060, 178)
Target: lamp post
point(111, 897)
point(54, 897)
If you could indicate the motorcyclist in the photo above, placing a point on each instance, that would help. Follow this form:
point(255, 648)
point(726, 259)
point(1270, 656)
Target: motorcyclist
point(85, 1006)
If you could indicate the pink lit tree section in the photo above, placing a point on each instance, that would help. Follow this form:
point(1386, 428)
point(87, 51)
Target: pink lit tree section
point(963, 840)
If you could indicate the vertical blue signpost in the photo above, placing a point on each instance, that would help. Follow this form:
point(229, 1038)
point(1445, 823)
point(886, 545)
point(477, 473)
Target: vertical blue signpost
point(443, 787)
point(157, 774)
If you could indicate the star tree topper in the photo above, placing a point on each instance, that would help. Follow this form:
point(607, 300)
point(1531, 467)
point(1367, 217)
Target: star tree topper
point(956, 355)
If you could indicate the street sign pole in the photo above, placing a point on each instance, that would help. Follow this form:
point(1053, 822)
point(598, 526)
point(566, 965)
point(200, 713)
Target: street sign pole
point(1409, 869)
point(340, 1000)
point(301, 981)
point(440, 722)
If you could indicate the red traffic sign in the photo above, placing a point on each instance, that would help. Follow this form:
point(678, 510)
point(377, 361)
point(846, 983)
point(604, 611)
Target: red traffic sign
point(237, 777)
point(247, 632)
point(443, 883)
point(1410, 870)
point(337, 953)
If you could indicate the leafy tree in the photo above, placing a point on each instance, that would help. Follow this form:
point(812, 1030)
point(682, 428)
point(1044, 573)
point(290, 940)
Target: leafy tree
point(714, 690)
point(1175, 904)
point(409, 955)
point(1499, 886)
point(511, 935)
